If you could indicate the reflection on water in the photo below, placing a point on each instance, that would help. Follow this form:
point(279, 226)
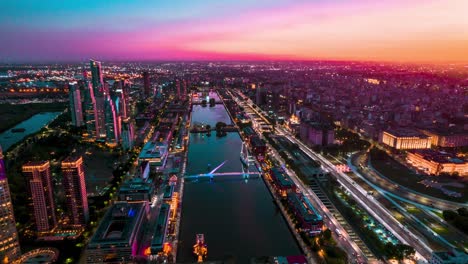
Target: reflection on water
point(237, 216)
point(31, 126)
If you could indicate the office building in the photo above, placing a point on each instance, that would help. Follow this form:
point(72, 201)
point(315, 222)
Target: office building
point(184, 89)
point(9, 244)
point(38, 179)
point(146, 84)
point(128, 134)
point(112, 119)
point(435, 162)
point(117, 237)
point(75, 190)
point(122, 102)
point(447, 138)
point(136, 190)
point(317, 133)
point(155, 153)
point(99, 91)
point(75, 104)
point(89, 104)
point(405, 139)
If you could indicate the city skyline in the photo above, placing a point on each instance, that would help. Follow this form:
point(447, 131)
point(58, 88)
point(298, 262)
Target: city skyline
point(420, 31)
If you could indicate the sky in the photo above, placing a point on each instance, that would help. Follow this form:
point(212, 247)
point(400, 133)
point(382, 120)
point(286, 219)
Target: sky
point(385, 30)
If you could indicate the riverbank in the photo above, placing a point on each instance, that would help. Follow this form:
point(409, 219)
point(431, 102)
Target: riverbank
point(236, 215)
point(26, 128)
point(13, 114)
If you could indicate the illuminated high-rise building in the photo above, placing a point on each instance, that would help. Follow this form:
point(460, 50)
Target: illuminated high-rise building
point(38, 179)
point(178, 89)
point(75, 104)
point(9, 244)
point(89, 106)
point(99, 90)
point(146, 84)
point(97, 79)
point(128, 135)
point(121, 103)
point(112, 120)
point(184, 89)
point(75, 190)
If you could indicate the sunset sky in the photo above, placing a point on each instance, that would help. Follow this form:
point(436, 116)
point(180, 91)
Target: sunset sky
point(396, 30)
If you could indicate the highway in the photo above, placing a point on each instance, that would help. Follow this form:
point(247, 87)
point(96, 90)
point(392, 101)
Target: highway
point(329, 220)
point(429, 202)
point(373, 207)
point(422, 227)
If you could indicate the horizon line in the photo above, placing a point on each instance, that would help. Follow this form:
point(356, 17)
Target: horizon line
point(77, 61)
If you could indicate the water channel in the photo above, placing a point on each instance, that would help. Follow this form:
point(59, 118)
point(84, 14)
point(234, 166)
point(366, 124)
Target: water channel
point(237, 216)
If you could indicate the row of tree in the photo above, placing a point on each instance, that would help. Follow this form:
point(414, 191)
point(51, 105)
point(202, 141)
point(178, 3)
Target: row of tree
point(457, 218)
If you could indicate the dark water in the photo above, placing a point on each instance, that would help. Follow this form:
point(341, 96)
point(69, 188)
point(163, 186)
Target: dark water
point(31, 125)
point(210, 115)
point(238, 217)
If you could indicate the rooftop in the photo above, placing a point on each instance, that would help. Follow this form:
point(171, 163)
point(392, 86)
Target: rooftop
point(405, 132)
point(118, 224)
point(451, 131)
point(319, 125)
point(136, 185)
point(153, 150)
point(439, 156)
point(158, 237)
point(256, 141)
point(305, 208)
point(249, 131)
point(281, 177)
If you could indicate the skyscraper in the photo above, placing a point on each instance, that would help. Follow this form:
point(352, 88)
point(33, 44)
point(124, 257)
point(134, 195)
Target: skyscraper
point(89, 104)
point(146, 84)
point(128, 135)
point(75, 190)
point(9, 245)
point(184, 89)
point(112, 119)
point(97, 79)
point(75, 104)
point(178, 89)
point(99, 90)
point(120, 93)
point(38, 179)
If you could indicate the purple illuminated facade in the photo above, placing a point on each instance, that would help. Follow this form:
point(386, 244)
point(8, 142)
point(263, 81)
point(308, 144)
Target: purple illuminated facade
point(75, 190)
point(9, 244)
point(38, 178)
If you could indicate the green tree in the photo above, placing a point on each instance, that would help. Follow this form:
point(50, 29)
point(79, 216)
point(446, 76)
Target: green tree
point(463, 211)
point(327, 235)
point(449, 215)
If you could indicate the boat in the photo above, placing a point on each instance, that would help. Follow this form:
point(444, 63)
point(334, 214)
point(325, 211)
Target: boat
point(199, 249)
point(18, 130)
